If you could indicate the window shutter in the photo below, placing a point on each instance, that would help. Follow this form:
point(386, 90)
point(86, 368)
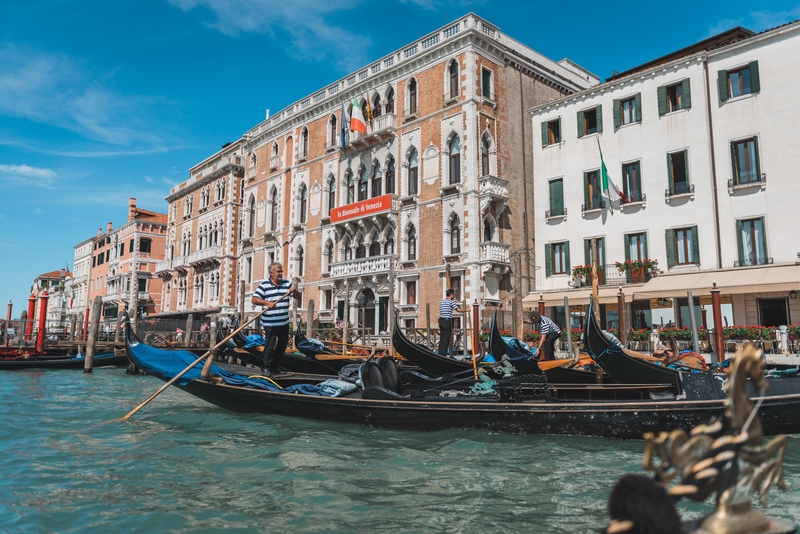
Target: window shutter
point(764, 237)
point(587, 244)
point(662, 100)
point(739, 242)
point(758, 160)
point(722, 85)
point(601, 247)
point(580, 124)
point(638, 100)
point(686, 167)
point(755, 78)
point(548, 259)
point(556, 197)
point(734, 164)
point(599, 115)
point(672, 259)
point(670, 179)
point(567, 265)
point(644, 241)
point(695, 246)
point(617, 114)
point(687, 94)
point(585, 190)
point(545, 138)
point(627, 247)
point(340, 309)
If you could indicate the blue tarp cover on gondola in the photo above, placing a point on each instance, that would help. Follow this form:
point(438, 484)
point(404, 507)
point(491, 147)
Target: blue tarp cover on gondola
point(519, 346)
point(166, 364)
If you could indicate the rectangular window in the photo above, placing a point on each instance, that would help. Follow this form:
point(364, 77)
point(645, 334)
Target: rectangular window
point(738, 82)
point(636, 246)
point(558, 259)
point(101, 258)
point(486, 84)
point(121, 249)
point(130, 247)
point(327, 299)
point(556, 197)
point(745, 161)
point(142, 284)
point(551, 132)
point(632, 181)
point(455, 285)
point(590, 121)
point(144, 244)
point(752, 242)
point(678, 172)
point(411, 292)
point(593, 199)
point(628, 110)
point(601, 257)
point(682, 246)
point(674, 97)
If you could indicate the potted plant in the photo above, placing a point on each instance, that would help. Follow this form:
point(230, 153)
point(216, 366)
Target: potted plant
point(637, 269)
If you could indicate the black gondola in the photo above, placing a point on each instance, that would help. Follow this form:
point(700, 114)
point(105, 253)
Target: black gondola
point(100, 360)
point(528, 406)
point(556, 375)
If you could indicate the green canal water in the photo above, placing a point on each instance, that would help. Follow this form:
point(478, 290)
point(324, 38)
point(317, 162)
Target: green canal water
point(181, 465)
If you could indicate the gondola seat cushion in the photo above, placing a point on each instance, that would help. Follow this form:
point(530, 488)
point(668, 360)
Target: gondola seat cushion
point(391, 377)
point(374, 382)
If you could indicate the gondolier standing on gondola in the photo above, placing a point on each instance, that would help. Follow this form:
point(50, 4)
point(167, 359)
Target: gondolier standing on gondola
point(446, 309)
point(549, 332)
point(274, 322)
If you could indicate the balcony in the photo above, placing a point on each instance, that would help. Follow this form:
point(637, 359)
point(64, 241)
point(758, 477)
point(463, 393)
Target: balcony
point(678, 191)
point(555, 214)
point(251, 172)
point(610, 275)
point(180, 262)
point(205, 255)
point(747, 180)
point(493, 189)
point(495, 252)
point(749, 262)
point(637, 201)
point(273, 163)
point(163, 266)
point(593, 207)
point(333, 144)
point(111, 297)
point(381, 127)
point(375, 265)
point(450, 98)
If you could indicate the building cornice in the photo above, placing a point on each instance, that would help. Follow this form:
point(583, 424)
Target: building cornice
point(228, 168)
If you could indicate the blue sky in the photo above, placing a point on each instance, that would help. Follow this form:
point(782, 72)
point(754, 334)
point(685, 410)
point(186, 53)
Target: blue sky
point(101, 101)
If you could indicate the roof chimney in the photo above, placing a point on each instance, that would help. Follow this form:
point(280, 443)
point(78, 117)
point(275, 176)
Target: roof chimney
point(110, 226)
point(99, 232)
point(131, 209)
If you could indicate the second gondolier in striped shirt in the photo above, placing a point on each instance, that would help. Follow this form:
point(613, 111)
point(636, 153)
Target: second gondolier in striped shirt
point(275, 321)
point(446, 309)
point(549, 333)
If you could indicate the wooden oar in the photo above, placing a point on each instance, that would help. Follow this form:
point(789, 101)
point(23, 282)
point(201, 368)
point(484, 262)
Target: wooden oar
point(198, 360)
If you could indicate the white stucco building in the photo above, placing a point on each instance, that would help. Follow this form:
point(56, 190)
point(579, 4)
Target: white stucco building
point(703, 143)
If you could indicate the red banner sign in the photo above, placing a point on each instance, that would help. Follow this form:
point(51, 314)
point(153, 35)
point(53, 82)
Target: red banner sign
point(361, 209)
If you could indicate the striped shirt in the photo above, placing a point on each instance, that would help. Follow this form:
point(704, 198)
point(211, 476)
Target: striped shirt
point(279, 315)
point(446, 308)
point(546, 326)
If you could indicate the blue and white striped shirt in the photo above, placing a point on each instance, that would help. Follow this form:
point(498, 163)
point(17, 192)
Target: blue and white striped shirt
point(446, 308)
point(279, 315)
point(546, 326)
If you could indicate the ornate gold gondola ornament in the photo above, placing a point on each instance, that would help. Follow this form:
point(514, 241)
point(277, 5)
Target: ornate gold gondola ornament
point(727, 457)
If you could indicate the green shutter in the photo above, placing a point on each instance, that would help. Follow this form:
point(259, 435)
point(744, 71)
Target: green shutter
point(383, 303)
point(734, 163)
point(764, 236)
point(686, 167)
point(695, 246)
point(638, 100)
point(585, 190)
point(644, 240)
point(580, 124)
point(599, 115)
point(662, 100)
point(758, 160)
point(755, 78)
point(340, 309)
point(601, 247)
point(548, 259)
point(587, 245)
point(556, 197)
point(722, 85)
point(672, 257)
point(545, 138)
point(627, 247)
point(670, 179)
point(739, 242)
point(687, 94)
point(567, 265)
point(617, 114)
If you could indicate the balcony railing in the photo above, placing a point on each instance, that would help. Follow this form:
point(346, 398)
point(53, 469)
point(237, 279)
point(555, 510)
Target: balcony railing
point(609, 275)
point(746, 181)
point(555, 213)
point(205, 254)
point(180, 261)
point(679, 189)
point(495, 252)
point(593, 205)
point(749, 262)
point(361, 266)
point(493, 186)
point(273, 162)
point(163, 266)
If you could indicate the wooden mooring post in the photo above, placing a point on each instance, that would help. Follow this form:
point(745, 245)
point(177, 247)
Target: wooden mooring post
point(94, 326)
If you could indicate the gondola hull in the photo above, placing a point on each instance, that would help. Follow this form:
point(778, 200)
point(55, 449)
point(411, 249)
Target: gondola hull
point(101, 360)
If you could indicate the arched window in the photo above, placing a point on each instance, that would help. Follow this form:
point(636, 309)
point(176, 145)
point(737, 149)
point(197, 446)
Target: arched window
point(412, 97)
point(376, 106)
point(331, 194)
point(361, 250)
point(363, 184)
point(455, 160)
point(275, 148)
point(303, 204)
point(351, 187)
point(374, 248)
point(488, 233)
point(300, 261)
point(455, 236)
point(273, 209)
point(390, 189)
point(348, 250)
point(388, 248)
point(453, 71)
point(485, 146)
point(253, 160)
point(390, 101)
point(376, 180)
point(333, 131)
point(413, 172)
point(329, 254)
point(304, 143)
point(251, 214)
point(412, 243)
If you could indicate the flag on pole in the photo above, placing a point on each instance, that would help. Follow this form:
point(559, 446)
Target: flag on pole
point(343, 130)
point(369, 111)
point(612, 191)
point(357, 123)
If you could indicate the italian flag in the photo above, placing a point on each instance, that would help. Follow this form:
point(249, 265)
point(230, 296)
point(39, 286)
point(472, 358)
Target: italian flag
point(612, 191)
point(357, 123)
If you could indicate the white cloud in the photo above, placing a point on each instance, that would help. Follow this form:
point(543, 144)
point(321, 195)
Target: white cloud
point(758, 21)
point(310, 35)
point(27, 175)
point(56, 90)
